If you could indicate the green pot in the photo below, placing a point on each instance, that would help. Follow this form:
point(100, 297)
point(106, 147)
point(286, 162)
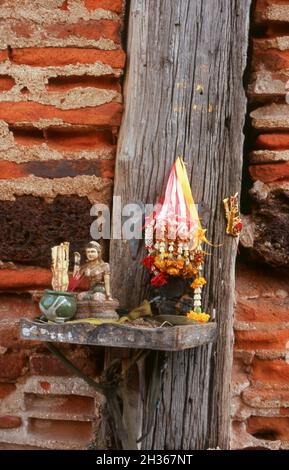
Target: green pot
point(58, 306)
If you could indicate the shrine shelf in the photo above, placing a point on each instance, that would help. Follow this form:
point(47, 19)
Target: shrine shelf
point(164, 338)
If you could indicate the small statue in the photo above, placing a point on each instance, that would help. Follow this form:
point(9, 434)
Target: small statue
point(97, 302)
point(234, 222)
point(97, 271)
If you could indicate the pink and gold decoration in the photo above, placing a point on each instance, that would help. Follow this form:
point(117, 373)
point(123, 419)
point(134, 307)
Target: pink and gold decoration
point(174, 237)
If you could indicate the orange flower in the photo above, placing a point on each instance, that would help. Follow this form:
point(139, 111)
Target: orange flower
point(179, 264)
point(160, 264)
point(173, 271)
point(170, 263)
point(199, 317)
point(198, 282)
point(189, 271)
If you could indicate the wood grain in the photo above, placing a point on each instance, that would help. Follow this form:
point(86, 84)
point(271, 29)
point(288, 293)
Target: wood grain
point(184, 95)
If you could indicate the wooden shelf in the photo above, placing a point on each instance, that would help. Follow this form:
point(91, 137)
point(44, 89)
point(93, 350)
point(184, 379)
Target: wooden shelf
point(173, 338)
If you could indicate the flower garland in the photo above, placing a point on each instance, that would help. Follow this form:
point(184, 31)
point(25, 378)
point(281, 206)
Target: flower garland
point(174, 238)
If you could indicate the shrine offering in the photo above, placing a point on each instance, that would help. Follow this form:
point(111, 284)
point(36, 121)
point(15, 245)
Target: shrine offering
point(234, 222)
point(96, 302)
point(174, 239)
point(59, 305)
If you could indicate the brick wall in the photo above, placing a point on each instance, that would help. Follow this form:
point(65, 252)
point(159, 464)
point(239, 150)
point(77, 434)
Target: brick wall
point(261, 365)
point(60, 109)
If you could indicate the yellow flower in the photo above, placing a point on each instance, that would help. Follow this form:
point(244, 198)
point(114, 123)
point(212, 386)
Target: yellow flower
point(199, 317)
point(160, 264)
point(173, 271)
point(198, 282)
point(189, 271)
point(171, 263)
point(179, 264)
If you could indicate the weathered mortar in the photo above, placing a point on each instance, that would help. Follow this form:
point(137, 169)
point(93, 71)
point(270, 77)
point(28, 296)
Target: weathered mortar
point(94, 188)
point(43, 23)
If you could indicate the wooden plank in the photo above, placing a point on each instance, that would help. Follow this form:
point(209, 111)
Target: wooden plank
point(184, 95)
point(121, 336)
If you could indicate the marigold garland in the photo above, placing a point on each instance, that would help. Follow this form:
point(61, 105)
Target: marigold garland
point(174, 237)
point(198, 282)
point(199, 317)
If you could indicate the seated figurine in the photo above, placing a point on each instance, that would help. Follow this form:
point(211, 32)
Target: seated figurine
point(98, 298)
point(97, 271)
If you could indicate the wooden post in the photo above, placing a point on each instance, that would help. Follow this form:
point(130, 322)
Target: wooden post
point(184, 95)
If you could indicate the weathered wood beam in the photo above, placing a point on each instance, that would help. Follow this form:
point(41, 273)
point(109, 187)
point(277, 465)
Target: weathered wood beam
point(184, 95)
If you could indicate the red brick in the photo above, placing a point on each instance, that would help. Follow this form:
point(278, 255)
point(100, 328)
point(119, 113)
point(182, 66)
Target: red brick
point(104, 115)
point(46, 222)
point(49, 56)
point(271, 339)
point(270, 59)
point(273, 141)
point(91, 29)
point(65, 83)
point(269, 428)
point(24, 279)
point(112, 5)
point(66, 140)
point(261, 310)
point(254, 282)
point(257, 397)
point(274, 30)
point(11, 366)
point(64, 6)
point(45, 364)
point(55, 169)
point(23, 28)
point(10, 336)
point(82, 29)
point(269, 173)
point(6, 82)
point(274, 371)
point(262, 4)
point(9, 422)
point(17, 306)
point(3, 55)
point(263, 8)
point(11, 170)
point(6, 390)
point(63, 169)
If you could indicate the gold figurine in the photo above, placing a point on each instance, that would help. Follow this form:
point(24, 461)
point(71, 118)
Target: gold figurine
point(234, 222)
